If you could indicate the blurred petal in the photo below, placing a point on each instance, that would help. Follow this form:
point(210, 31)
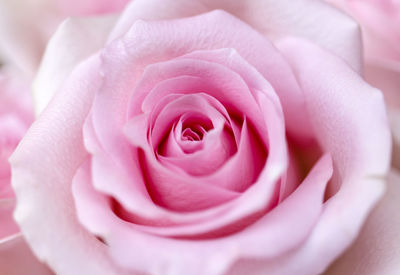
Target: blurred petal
point(24, 29)
point(16, 258)
point(90, 7)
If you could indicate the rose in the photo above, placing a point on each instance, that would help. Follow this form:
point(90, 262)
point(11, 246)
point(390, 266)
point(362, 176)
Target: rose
point(15, 118)
point(26, 26)
point(198, 146)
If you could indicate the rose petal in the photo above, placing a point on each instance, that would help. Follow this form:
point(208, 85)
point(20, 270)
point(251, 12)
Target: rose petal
point(277, 19)
point(265, 239)
point(348, 115)
point(271, 18)
point(394, 116)
point(154, 10)
point(122, 63)
point(44, 195)
point(88, 7)
point(65, 50)
point(377, 248)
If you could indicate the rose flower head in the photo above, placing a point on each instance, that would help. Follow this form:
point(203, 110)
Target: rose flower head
point(202, 137)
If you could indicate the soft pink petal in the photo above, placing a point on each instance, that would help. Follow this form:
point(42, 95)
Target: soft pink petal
point(313, 20)
point(348, 115)
point(176, 191)
point(272, 18)
point(259, 197)
point(377, 248)
point(394, 116)
point(75, 40)
point(90, 7)
point(156, 45)
point(363, 184)
point(44, 195)
point(155, 10)
point(16, 258)
point(264, 239)
point(337, 226)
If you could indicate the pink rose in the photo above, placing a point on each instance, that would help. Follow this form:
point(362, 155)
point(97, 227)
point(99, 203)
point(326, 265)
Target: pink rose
point(202, 145)
point(26, 26)
point(15, 118)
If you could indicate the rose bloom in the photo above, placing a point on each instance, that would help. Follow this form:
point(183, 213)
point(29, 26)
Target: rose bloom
point(26, 26)
point(201, 141)
point(15, 117)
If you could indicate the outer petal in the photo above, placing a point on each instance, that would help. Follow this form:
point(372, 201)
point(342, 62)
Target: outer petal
point(348, 116)
point(395, 124)
point(75, 40)
point(347, 127)
point(155, 10)
point(377, 249)
point(16, 258)
point(87, 7)
point(311, 19)
point(44, 195)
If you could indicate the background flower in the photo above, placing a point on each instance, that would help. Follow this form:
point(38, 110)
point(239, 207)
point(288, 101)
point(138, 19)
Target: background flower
point(15, 117)
point(26, 26)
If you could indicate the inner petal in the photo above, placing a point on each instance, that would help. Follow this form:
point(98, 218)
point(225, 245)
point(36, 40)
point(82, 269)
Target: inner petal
point(201, 123)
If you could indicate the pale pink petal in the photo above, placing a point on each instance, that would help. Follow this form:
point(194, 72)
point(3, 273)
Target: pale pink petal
point(342, 130)
point(90, 7)
point(65, 50)
point(149, 42)
point(313, 20)
point(16, 258)
point(376, 250)
point(44, 195)
point(265, 239)
point(154, 10)
point(394, 116)
point(337, 226)
point(348, 115)
point(272, 18)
